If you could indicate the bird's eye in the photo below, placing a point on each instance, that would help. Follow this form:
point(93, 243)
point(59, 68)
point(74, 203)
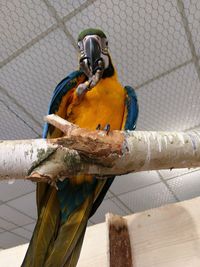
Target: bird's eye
point(79, 46)
point(106, 43)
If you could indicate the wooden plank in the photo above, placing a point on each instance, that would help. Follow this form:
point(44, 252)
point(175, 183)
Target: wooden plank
point(94, 252)
point(168, 236)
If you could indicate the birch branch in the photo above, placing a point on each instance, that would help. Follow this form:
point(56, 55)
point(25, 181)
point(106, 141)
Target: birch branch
point(96, 153)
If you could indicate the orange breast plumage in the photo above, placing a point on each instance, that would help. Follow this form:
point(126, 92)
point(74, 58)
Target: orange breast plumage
point(104, 104)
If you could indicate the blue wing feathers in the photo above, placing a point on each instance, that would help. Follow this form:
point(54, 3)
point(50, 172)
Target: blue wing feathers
point(132, 107)
point(61, 89)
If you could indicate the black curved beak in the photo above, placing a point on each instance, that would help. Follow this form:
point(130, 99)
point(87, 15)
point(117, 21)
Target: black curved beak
point(93, 54)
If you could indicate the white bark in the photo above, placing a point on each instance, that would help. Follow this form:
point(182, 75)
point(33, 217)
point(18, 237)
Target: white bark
point(94, 152)
point(17, 157)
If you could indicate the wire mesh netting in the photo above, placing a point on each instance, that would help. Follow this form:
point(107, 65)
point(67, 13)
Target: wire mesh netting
point(148, 40)
point(155, 47)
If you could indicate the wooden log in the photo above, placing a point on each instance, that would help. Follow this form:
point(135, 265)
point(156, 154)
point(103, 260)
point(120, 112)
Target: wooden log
point(96, 153)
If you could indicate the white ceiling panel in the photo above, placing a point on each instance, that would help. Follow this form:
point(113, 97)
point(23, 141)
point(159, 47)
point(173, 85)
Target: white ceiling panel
point(64, 7)
point(170, 103)
point(26, 204)
point(20, 112)
point(107, 206)
point(145, 39)
point(90, 223)
point(16, 189)
point(14, 128)
point(6, 225)
point(12, 215)
point(11, 240)
point(167, 174)
point(32, 76)
point(186, 186)
point(108, 195)
point(129, 182)
point(22, 232)
point(21, 21)
point(29, 227)
point(147, 198)
point(192, 11)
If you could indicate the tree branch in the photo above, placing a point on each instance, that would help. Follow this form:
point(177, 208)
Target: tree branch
point(96, 153)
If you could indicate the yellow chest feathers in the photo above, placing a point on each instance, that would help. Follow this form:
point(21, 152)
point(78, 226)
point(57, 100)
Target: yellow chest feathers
point(103, 104)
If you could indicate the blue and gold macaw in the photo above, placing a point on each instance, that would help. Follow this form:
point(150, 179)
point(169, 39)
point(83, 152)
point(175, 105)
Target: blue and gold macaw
point(92, 98)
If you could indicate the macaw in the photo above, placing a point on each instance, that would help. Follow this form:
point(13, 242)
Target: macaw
point(92, 98)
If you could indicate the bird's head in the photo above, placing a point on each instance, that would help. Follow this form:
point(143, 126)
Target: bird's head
point(94, 55)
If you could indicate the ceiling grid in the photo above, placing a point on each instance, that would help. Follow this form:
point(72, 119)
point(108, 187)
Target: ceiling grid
point(181, 8)
point(155, 46)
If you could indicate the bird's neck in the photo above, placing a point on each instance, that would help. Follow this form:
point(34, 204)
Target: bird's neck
point(108, 82)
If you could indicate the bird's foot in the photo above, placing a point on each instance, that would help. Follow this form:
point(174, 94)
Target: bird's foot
point(98, 127)
point(82, 89)
point(107, 128)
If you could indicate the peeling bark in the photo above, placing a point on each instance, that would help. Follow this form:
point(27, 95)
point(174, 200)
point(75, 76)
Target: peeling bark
point(96, 153)
point(93, 144)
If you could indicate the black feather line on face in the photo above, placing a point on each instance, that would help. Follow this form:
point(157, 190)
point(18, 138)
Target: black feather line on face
point(108, 72)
